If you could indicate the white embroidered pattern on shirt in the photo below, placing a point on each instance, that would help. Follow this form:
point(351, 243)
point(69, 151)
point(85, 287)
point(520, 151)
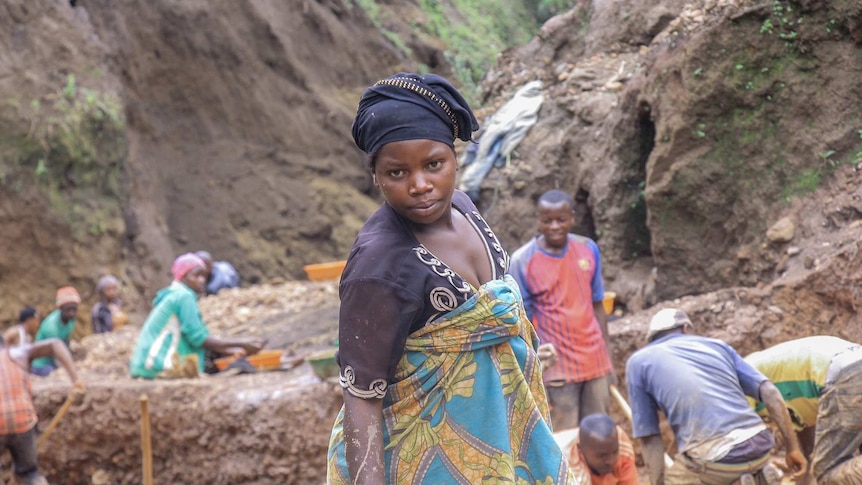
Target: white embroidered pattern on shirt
point(503, 256)
point(440, 268)
point(377, 388)
point(443, 299)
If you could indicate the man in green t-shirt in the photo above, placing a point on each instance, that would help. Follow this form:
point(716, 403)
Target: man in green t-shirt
point(820, 379)
point(58, 324)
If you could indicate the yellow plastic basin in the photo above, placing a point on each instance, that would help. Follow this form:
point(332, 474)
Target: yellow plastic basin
point(608, 301)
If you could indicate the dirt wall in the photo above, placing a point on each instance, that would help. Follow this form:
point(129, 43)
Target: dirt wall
point(682, 139)
point(254, 429)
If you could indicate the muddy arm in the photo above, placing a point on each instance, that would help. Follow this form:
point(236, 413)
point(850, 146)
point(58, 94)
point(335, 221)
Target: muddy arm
point(11, 337)
point(653, 453)
point(771, 397)
point(602, 318)
point(226, 346)
point(363, 439)
point(54, 347)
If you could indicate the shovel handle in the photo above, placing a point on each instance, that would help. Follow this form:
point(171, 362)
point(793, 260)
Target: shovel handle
point(70, 399)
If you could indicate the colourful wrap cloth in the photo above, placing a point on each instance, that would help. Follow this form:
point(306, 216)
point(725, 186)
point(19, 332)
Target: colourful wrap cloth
point(467, 405)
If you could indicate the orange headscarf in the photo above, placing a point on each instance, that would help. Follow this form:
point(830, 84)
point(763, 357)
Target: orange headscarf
point(67, 294)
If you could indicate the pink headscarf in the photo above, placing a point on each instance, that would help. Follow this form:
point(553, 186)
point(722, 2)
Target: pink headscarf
point(185, 263)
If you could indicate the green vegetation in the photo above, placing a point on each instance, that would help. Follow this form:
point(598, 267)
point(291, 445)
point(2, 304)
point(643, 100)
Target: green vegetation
point(78, 132)
point(805, 182)
point(71, 148)
point(545, 9)
point(474, 30)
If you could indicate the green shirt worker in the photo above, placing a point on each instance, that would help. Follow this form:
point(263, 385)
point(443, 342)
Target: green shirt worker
point(174, 337)
point(58, 324)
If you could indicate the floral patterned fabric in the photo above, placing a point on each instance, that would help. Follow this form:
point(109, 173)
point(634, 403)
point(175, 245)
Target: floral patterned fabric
point(467, 405)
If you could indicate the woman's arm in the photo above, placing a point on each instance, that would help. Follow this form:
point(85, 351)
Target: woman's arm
point(363, 439)
point(228, 345)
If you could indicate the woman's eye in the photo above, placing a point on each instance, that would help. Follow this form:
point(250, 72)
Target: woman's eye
point(395, 173)
point(435, 164)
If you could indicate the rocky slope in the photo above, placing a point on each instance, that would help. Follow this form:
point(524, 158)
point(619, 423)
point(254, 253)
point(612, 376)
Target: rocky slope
point(232, 130)
point(685, 131)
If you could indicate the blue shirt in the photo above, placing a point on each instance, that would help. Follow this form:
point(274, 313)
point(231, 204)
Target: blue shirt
point(699, 383)
point(224, 275)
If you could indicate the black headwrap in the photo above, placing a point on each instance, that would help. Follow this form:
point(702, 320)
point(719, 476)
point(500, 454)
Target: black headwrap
point(412, 107)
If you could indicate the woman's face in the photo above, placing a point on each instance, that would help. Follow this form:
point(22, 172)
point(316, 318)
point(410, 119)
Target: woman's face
point(110, 292)
point(417, 178)
point(196, 279)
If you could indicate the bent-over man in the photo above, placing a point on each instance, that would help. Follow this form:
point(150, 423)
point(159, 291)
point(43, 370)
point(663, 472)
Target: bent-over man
point(700, 384)
point(820, 379)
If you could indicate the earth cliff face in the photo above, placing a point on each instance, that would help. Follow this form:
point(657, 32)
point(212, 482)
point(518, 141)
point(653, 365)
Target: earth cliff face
point(234, 126)
point(683, 141)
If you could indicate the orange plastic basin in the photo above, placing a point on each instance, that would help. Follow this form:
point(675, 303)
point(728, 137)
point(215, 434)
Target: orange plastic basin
point(325, 271)
point(263, 360)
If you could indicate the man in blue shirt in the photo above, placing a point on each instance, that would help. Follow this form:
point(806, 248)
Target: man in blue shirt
point(700, 384)
point(220, 274)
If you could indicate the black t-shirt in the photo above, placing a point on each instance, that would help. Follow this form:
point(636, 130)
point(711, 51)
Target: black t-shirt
point(393, 286)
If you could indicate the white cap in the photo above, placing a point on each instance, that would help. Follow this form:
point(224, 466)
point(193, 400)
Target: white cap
point(665, 320)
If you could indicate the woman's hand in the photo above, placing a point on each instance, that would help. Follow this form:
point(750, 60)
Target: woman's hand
point(253, 345)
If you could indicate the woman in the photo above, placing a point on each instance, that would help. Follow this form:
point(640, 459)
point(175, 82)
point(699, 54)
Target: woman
point(172, 342)
point(107, 314)
point(439, 372)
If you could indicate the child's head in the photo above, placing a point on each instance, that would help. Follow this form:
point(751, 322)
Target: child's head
point(556, 215)
point(108, 288)
point(190, 270)
point(29, 318)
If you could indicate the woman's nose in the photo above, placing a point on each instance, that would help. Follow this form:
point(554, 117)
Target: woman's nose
point(419, 184)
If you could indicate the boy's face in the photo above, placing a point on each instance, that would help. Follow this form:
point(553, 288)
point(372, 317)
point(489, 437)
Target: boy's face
point(555, 222)
point(196, 279)
point(601, 455)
